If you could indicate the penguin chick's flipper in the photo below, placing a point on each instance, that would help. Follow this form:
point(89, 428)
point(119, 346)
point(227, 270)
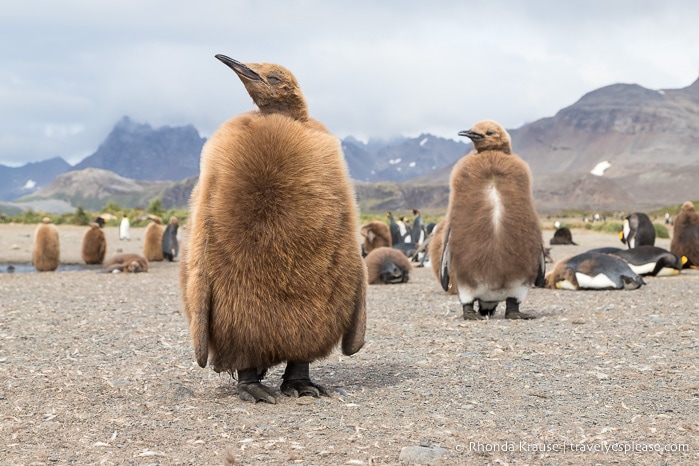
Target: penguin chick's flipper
point(250, 388)
point(512, 310)
point(445, 266)
point(297, 381)
point(540, 281)
point(471, 314)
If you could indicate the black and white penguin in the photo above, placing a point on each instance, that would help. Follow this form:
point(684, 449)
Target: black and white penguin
point(637, 230)
point(593, 271)
point(648, 260)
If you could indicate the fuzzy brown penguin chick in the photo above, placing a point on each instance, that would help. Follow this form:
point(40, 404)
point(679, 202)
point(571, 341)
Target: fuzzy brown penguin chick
point(153, 242)
point(493, 249)
point(376, 235)
point(94, 245)
point(253, 295)
point(46, 250)
point(127, 263)
point(387, 265)
point(685, 235)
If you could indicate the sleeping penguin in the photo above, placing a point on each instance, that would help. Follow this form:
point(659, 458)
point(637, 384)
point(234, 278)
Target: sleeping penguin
point(648, 260)
point(593, 271)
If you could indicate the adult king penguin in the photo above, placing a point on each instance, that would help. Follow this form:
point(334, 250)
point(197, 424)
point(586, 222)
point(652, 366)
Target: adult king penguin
point(257, 293)
point(493, 248)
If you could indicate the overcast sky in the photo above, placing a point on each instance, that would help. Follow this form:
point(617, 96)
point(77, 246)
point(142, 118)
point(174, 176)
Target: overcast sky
point(69, 70)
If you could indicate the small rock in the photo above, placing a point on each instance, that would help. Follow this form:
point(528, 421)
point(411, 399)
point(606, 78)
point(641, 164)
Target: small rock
point(421, 455)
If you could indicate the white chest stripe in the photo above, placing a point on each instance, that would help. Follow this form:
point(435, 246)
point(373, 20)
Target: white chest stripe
point(496, 203)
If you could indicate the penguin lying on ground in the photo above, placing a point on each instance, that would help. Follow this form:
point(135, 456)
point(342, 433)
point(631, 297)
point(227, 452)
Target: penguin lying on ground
point(648, 260)
point(127, 263)
point(562, 235)
point(685, 235)
point(387, 265)
point(493, 249)
point(637, 230)
point(593, 271)
point(253, 295)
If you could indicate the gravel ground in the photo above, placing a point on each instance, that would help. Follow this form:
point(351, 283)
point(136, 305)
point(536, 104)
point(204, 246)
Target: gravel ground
point(99, 369)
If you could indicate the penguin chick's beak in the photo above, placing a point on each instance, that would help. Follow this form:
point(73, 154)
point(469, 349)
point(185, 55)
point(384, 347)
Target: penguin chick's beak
point(471, 134)
point(240, 68)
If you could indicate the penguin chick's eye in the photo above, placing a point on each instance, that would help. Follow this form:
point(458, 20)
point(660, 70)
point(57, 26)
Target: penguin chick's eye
point(489, 133)
point(273, 79)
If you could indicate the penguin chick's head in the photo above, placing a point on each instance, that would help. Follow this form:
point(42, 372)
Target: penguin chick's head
point(272, 87)
point(488, 135)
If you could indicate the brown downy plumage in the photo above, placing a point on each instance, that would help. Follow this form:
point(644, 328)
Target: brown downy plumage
point(685, 235)
point(47, 250)
point(127, 263)
point(387, 265)
point(256, 291)
point(493, 248)
point(153, 242)
point(94, 245)
point(376, 235)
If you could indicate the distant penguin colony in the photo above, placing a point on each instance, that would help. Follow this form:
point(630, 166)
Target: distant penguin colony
point(126, 263)
point(153, 241)
point(593, 271)
point(685, 235)
point(493, 249)
point(94, 245)
point(124, 228)
point(637, 230)
point(257, 293)
point(388, 266)
point(170, 244)
point(376, 235)
point(562, 236)
point(46, 250)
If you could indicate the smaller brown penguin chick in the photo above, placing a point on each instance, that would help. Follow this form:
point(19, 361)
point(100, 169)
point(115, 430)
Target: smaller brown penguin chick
point(388, 266)
point(46, 250)
point(94, 245)
point(685, 235)
point(376, 235)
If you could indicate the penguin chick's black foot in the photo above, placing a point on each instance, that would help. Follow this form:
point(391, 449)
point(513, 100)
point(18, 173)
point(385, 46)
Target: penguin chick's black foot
point(512, 310)
point(251, 389)
point(471, 314)
point(297, 381)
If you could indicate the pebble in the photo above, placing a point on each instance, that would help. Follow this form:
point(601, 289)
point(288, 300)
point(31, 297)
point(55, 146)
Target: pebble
point(421, 455)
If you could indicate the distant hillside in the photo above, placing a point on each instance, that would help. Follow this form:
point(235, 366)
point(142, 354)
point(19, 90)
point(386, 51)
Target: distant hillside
point(137, 151)
point(93, 188)
point(635, 129)
point(19, 181)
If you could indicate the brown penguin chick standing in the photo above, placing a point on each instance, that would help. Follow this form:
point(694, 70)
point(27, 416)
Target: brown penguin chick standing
point(253, 294)
point(127, 263)
point(153, 242)
point(493, 248)
point(376, 235)
point(685, 235)
point(387, 265)
point(47, 249)
point(94, 245)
